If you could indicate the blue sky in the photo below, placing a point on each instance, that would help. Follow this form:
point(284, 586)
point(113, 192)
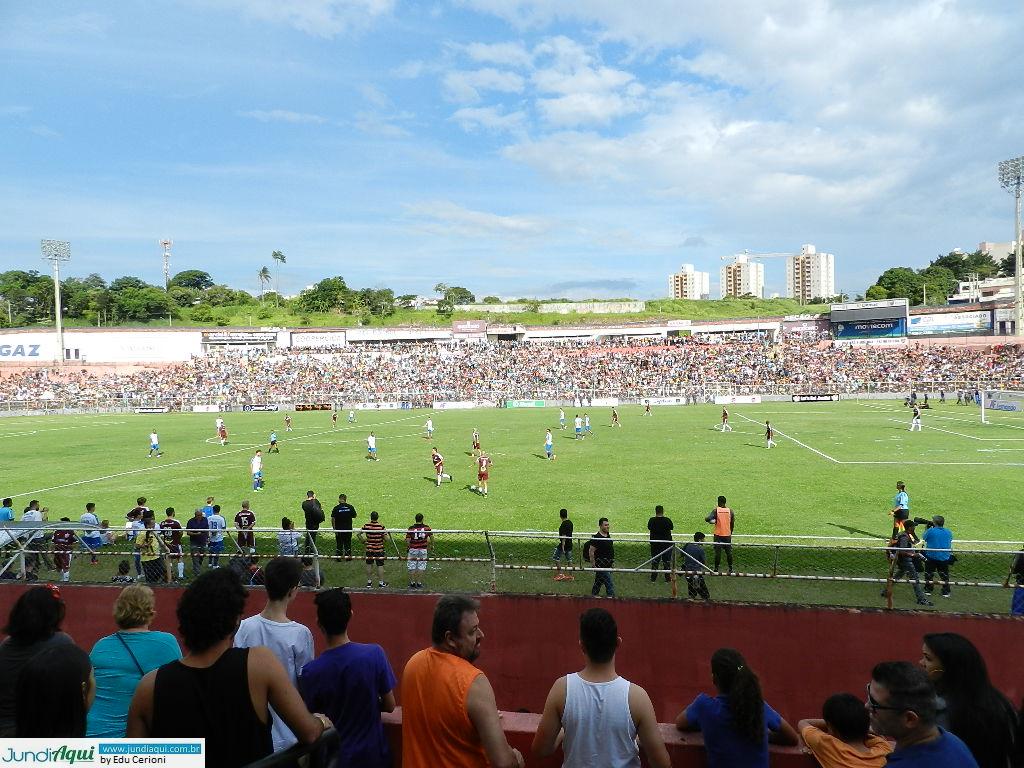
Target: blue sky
point(516, 147)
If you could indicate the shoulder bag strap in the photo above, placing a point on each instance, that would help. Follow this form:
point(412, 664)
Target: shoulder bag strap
point(130, 653)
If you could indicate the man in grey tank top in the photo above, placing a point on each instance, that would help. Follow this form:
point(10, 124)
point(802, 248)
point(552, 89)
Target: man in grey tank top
point(603, 714)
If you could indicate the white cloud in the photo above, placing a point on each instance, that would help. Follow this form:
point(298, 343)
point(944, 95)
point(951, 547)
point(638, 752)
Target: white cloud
point(320, 18)
point(490, 118)
point(452, 219)
point(283, 116)
point(15, 110)
point(410, 70)
point(466, 86)
point(506, 54)
point(375, 96)
point(380, 125)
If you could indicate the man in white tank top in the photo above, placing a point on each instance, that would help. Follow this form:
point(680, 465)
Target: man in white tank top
point(603, 714)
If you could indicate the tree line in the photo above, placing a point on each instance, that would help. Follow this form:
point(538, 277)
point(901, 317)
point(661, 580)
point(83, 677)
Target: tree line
point(939, 279)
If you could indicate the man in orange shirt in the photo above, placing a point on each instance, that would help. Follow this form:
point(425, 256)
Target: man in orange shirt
point(724, 520)
point(449, 714)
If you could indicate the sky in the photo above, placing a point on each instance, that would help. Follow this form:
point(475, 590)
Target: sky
point(515, 147)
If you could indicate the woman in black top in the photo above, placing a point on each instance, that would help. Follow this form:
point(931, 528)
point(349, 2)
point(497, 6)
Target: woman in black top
point(973, 708)
point(218, 692)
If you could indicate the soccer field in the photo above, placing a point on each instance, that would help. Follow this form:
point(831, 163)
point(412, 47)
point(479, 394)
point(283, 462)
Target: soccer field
point(832, 474)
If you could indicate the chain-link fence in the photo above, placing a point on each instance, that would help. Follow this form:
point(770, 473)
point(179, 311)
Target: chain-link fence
point(845, 572)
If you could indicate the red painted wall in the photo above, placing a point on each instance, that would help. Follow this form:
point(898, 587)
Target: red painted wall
point(802, 654)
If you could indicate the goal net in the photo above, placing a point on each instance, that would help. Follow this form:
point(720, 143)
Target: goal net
point(999, 404)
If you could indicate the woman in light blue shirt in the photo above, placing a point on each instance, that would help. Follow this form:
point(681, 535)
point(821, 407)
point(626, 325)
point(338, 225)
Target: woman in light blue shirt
point(121, 659)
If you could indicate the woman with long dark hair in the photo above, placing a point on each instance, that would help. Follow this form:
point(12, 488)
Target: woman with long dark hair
point(32, 626)
point(54, 693)
point(970, 706)
point(737, 724)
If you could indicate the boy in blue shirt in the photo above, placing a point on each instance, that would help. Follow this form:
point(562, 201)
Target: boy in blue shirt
point(938, 541)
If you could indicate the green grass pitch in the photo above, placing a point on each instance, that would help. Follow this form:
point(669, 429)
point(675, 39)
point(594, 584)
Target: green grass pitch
point(833, 474)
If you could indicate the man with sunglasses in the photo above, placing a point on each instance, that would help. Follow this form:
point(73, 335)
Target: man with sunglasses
point(901, 705)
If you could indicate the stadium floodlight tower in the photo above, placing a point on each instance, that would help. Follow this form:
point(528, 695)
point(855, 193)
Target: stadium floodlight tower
point(56, 251)
point(166, 244)
point(1010, 172)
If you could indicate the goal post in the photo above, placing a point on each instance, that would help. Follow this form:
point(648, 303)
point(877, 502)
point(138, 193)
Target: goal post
point(996, 401)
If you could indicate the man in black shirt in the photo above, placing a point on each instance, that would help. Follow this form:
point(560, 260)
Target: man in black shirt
point(341, 520)
point(314, 516)
point(602, 555)
point(563, 550)
point(661, 542)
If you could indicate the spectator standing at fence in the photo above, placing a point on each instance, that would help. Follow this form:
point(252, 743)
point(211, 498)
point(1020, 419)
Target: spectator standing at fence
point(600, 551)
point(287, 539)
point(148, 545)
point(217, 525)
point(291, 642)
point(444, 693)
point(901, 705)
point(133, 528)
point(91, 539)
point(969, 706)
point(121, 659)
point(6, 511)
point(938, 541)
point(314, 515)
point(54, 692)
point(245, 521)
point(310, 578)
point(738, 723)
point(190, 698)
point(351, 683)
point(208, 507)
point(418, 540)
point(842, 737)
point(660, 529)
point(1016, 578)
point(724, 520)
point(33, 626)
point(563, 549)
point(900, 508)
point(907, 559)
point(695, 565)
point(373, 534)
point(198, 532)
point(342, 519)
point(171, 530)
point(601, 714)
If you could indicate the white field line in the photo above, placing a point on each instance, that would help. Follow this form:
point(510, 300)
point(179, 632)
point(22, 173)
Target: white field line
point(936, 416)
point(947, 431)
point(163, 465)
point(28, 432)
point(798, 442)
point(943, 463)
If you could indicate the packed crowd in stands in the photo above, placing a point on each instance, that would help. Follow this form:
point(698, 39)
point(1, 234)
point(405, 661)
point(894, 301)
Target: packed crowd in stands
point(421, 373)
point(942, 712)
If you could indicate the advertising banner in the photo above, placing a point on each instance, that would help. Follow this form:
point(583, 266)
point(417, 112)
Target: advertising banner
point(387, 406)
point(153, 410)
point(313, 339)
point(98, 751)
point(805, 325)
point(1003, 401)
point(314, 406)
point(816, 398)
point(665, 400)
point(951, 322)
point(261, 407)
point(239, 337)
point(205, 409)
point(524, 403)
point(605, 401)
point(737, 399)
point(457, 405)
point(469, 327)
point(870, 329)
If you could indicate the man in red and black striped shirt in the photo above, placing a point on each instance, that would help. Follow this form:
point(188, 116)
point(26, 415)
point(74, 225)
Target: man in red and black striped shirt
point(373, 533)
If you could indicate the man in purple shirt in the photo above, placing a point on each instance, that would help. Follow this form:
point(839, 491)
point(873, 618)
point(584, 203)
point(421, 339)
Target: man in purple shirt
point(352, 683)
point(198, 531)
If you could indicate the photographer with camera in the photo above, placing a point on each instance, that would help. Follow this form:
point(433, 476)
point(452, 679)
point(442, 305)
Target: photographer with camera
point(938, 542)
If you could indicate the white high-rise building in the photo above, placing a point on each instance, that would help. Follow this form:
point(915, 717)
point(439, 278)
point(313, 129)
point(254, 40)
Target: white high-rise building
point(810, 275)
point(742, 277)
point(688, 283)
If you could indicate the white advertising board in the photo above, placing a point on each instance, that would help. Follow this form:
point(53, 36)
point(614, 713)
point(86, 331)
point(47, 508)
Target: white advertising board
point(462, 405)
point(312, 339)
point(603, 401)
point(737, 399)
point(388, 406)
point(664, 400)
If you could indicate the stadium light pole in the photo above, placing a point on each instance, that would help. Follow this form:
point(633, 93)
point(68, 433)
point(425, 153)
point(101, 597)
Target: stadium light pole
point(1010, 172)
point(166, 244)
point(56, 251)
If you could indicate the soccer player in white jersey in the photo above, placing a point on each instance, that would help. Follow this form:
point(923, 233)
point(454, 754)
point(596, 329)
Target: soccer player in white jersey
point(219, 423)
point(429, 426)
point(351, 417)
point(549, 445)
point(915, 420)
point(561, 418)
point(154, 445)
point(578, 426)
point(371, 448)
point(256, 467)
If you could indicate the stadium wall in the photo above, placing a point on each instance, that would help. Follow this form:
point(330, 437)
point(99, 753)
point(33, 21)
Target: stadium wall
point(802, 654)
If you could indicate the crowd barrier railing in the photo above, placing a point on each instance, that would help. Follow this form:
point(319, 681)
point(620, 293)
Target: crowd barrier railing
point(511, 561)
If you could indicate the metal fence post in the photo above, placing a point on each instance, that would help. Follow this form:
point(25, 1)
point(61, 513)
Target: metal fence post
point(775, 561)
point(494, 564)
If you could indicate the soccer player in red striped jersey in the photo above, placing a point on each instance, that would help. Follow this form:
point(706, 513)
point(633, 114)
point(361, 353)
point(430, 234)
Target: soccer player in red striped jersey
point(63, 542)
point(483, 464)
point(373, 533)
point(438, 460)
